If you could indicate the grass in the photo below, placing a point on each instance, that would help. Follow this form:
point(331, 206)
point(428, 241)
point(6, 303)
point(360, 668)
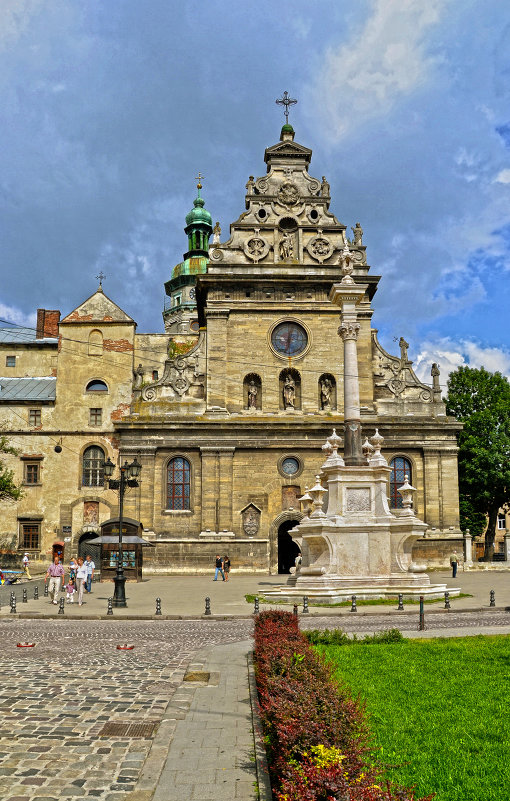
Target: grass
point(438, 710)
point(347, 604)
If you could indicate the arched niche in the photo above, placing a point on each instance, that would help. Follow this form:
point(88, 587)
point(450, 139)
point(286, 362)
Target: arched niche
point(252, 391)
point(290, 389)
point(326, 388)
point(95, 343)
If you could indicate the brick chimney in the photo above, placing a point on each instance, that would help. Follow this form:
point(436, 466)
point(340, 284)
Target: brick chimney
point(47, 323)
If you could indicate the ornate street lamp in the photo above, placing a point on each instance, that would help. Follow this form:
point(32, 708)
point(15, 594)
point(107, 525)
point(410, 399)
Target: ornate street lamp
point(129, 473)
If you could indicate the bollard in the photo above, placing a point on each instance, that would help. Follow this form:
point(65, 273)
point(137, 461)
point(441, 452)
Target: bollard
point(36, 593)
point(13, 604)
point(256, 607)
point(447, 600)
point(294, 610)
point(492, 598)
point(400, 607)
point(207, 606)
point(110, 606)
point(45, 588)
point(354, 608)
point(421, 625)
point(25, 596)
point(158, 606)
point(305, 605)
point(61, 606)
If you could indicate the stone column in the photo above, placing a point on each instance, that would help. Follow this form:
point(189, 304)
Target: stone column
point(507, 545)
point(347, 295)
point(226, 489)
point(468, 549)
point(217, 321)
point(210, 469)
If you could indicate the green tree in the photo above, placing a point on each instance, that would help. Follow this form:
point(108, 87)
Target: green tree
point(481, 400)
point(9, 490)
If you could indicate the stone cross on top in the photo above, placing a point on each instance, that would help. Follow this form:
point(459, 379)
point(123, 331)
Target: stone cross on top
point(286, 101)
point(101, 278)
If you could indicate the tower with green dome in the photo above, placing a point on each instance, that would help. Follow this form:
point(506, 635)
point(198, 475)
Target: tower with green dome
point(179, 314)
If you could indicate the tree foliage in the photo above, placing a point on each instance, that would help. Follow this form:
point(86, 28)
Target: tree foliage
point(481, 400)
point(9, 490)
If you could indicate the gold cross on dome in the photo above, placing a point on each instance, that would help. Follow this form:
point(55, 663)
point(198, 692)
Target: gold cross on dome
point(199, 178)
point(286, 101)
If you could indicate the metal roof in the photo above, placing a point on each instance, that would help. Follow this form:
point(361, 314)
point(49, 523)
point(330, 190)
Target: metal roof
point(23, 389)
point(23, 336)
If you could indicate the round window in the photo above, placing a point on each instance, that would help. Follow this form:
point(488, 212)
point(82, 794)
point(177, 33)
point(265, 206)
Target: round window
point(289, 339)
point(290, 466)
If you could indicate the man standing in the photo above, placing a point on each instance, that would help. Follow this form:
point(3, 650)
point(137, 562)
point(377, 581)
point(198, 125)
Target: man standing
point(219, 568)
point(26, 561)
point(55, 574)
point(454, 560)
point(89, 564)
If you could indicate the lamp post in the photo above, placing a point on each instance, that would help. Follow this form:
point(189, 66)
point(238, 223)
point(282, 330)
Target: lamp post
point(129, 474)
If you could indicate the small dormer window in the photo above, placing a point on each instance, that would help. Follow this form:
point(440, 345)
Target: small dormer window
point(96, 385)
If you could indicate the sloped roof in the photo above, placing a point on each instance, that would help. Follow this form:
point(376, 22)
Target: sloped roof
point(98, 308)
point(22, 336)
point(24, 389)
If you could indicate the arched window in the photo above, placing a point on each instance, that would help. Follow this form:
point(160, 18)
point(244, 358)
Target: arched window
point(96, 385)
point(400, 468)
point(93, 467)
point(178, 484)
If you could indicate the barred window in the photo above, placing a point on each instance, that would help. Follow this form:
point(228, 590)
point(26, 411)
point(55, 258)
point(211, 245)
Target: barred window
point(93, 467)
point(178, 484)
point(400, 468)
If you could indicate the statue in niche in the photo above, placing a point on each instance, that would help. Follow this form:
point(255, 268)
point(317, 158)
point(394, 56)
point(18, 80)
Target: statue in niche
point(252, 395)
point(138, 380)
point(324, 187)
point(250, 185)
point(217, 234)
point(289, 392)
point(286, 248)
point(326, 389)
point(403, 345)
point(358, 234)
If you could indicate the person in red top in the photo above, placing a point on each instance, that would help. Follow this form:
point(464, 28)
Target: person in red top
point(55, 574)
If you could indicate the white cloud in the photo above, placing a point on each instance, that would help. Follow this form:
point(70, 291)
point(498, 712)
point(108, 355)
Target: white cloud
point(450, 355)
point(11, 314)
point(502, 177)
point(380, 63)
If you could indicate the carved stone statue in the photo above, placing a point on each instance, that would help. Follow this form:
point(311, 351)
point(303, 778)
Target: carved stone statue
point(250, 185)
point(436, 388)
point(403, 345)
point(252, 395)
point(216, 234)
point(324, 187)
point(286, 247)
point(358, 234)
point(289, 392)
point(326, 389)
point(138, 377)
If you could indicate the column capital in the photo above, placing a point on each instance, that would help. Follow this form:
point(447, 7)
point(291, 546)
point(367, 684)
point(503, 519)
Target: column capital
point(348, 330)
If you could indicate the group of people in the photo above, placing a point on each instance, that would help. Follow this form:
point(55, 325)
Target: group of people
point(222, 566)
point(81, 573)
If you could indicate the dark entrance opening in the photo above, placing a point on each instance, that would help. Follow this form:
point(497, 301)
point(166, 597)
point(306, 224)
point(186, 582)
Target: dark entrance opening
point(94, 550)
point(287, 548)
point(58, 550)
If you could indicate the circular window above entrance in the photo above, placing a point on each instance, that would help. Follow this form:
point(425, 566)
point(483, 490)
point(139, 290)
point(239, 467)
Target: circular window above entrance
point(289, 339)
point(290, 466)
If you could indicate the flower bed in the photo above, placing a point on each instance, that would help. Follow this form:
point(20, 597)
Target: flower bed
point(316, 737)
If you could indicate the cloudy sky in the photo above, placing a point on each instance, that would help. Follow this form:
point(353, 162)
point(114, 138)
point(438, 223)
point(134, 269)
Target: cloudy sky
point(111, 107)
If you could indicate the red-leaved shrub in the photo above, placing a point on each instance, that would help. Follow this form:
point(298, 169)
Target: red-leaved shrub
point(315, 732)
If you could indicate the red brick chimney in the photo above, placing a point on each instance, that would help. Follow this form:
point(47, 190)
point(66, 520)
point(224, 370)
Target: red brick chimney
point(47, 323)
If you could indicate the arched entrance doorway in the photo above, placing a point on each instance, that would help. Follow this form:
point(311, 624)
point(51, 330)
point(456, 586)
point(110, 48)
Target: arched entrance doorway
point(287, 548)
point(94, 550)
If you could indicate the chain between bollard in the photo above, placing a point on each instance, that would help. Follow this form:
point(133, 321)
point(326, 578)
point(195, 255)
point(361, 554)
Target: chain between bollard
point(492, 597)
point(61, 606)
point(207, 606)
point(447, 600)
point(305, 605)
point(421, 624)
point(256, 607)
point(354, 608)
point(109, 611)
point(400, 607)
point(158, 606)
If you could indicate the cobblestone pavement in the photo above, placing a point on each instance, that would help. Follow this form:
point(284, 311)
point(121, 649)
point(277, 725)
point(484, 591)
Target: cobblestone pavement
point(56, 698)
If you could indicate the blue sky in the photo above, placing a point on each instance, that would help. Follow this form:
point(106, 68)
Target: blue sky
point(111, 107)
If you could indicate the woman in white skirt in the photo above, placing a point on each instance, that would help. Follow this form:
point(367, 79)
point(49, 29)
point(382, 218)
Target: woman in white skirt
point(81, 579)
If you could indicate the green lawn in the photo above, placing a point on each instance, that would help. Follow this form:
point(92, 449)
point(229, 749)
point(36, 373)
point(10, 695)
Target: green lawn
point(439, 711)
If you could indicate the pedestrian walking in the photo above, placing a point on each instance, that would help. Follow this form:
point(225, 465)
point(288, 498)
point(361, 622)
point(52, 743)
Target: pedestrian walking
point(454, 560)
point(89, 564)
point(226, 567)
point(26, 562)
point(55, 574)
point(219, 568)
point(73, 564)
point(70, 590)
point(81, 579)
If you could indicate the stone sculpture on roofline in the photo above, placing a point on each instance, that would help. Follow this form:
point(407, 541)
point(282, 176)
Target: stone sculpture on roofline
point(358, 545)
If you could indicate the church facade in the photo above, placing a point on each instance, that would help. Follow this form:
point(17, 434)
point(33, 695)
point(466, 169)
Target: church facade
point(228, 409)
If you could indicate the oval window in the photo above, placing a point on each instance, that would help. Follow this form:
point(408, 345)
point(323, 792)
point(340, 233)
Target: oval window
point(96, 385)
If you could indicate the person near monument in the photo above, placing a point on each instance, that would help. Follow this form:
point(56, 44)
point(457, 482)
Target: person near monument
point(55, 574)
point(454, 560)
point(26, 562)
point(81, 578)
point(89, 564)
point(226, 566)
point(219, 568)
